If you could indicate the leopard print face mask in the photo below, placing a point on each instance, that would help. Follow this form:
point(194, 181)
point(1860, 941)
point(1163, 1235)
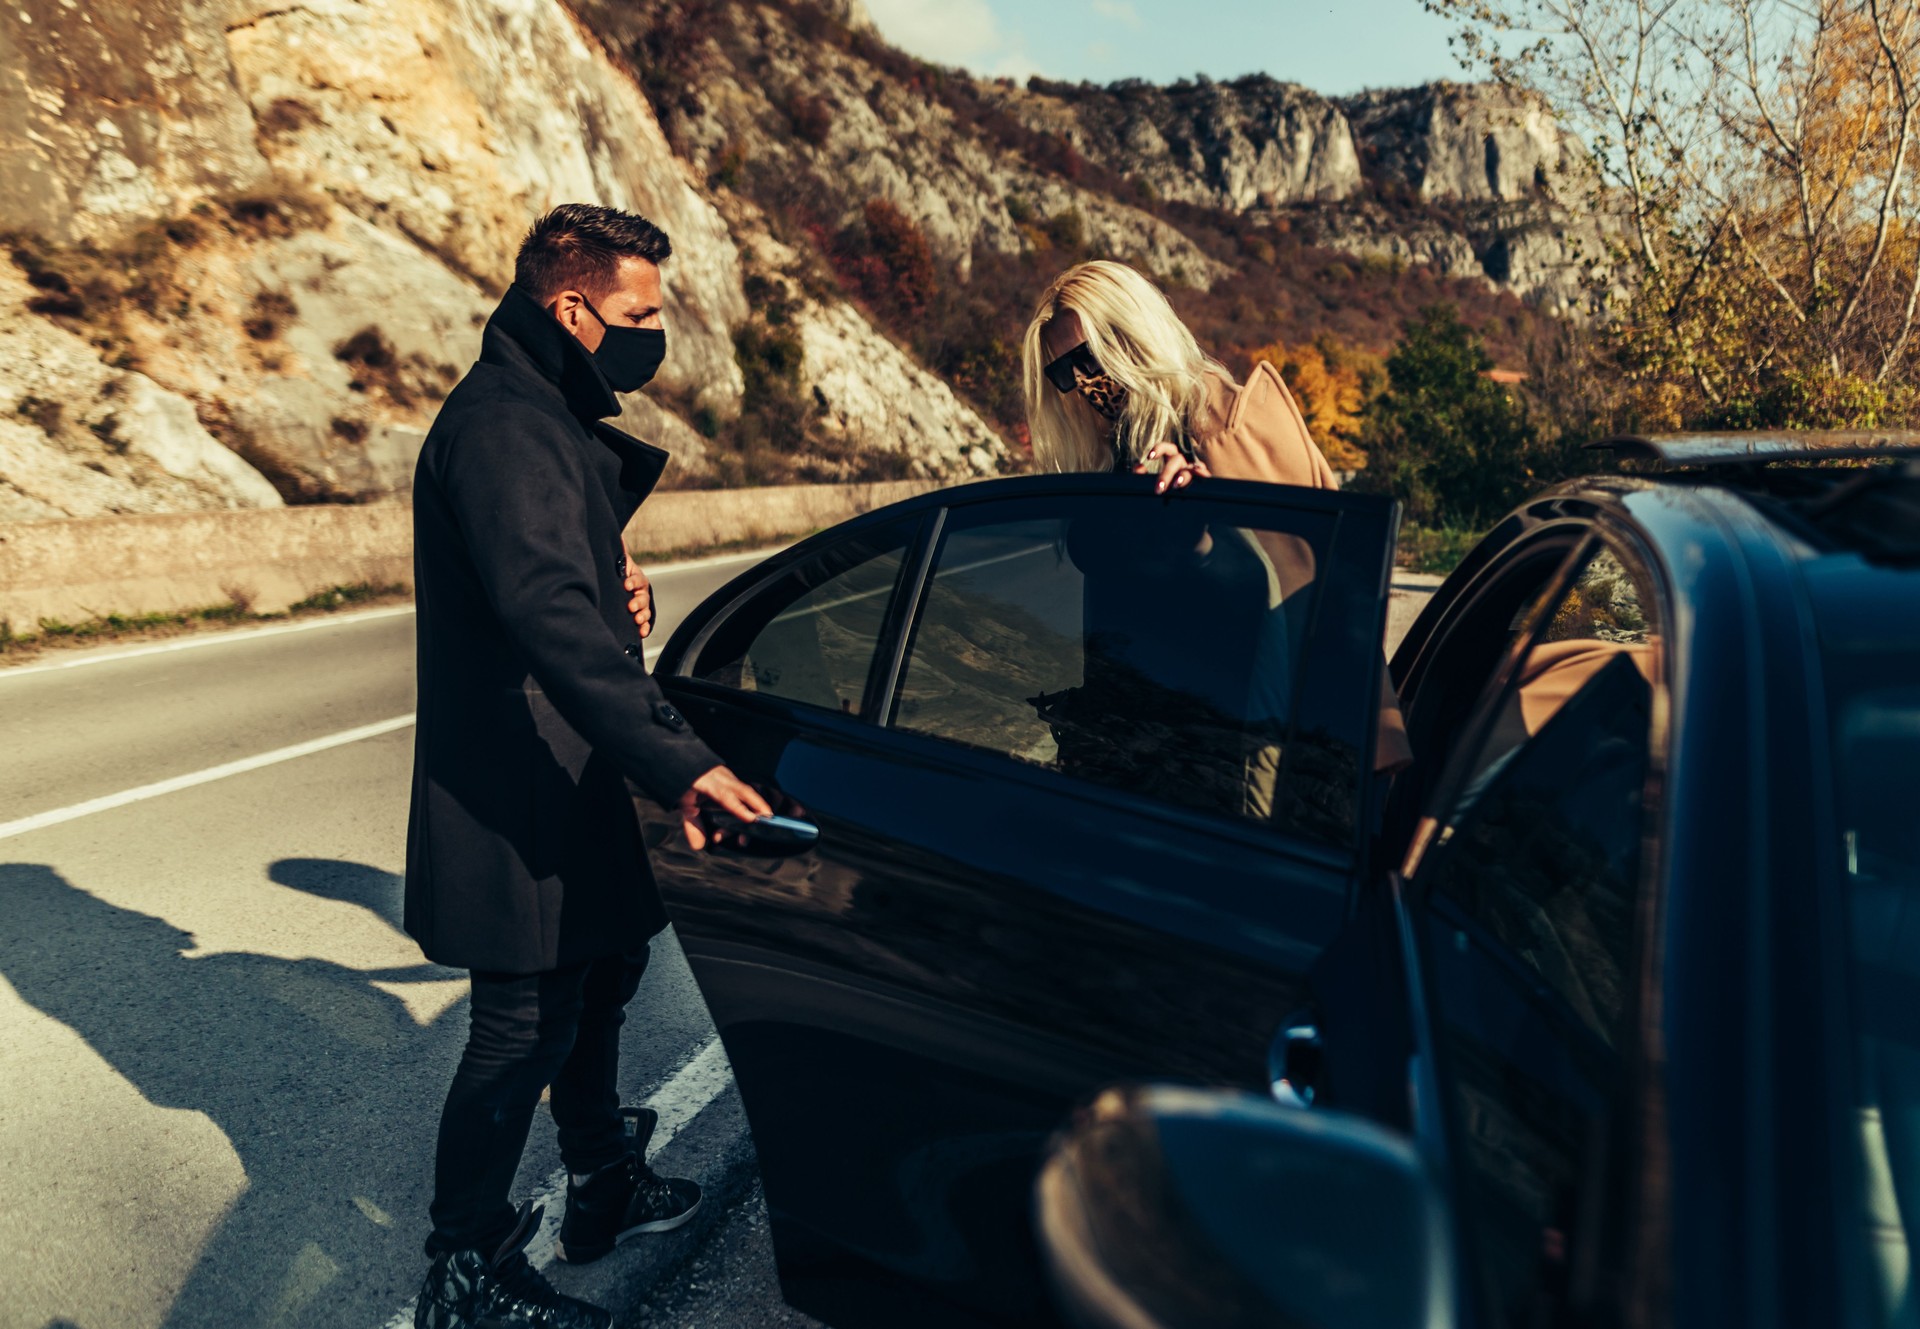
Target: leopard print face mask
point(1102, 393)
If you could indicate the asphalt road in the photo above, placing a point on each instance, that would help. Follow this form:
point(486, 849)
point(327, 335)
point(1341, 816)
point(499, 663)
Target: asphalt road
point(221, 1062)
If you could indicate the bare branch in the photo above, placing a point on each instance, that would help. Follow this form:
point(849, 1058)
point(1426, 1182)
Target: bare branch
point(1896, 172)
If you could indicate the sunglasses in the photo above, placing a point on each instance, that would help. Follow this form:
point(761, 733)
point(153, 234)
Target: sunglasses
point(1060, 372)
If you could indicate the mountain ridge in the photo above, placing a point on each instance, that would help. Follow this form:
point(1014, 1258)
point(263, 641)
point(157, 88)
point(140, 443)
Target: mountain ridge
point(253, 244)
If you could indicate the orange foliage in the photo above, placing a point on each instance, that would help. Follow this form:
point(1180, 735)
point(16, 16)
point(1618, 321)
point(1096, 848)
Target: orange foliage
point(1330, 381)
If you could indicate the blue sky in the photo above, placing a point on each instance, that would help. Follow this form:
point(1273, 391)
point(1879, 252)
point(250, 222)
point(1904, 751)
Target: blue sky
point(1332, 47)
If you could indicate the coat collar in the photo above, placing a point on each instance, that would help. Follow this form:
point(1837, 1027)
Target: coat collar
point(522, 335)
point(524, 338)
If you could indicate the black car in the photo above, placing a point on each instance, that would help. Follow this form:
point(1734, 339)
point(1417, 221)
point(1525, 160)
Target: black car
point(1601, 1002)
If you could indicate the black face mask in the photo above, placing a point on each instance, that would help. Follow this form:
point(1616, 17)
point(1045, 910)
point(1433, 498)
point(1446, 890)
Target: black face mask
point(628, 357)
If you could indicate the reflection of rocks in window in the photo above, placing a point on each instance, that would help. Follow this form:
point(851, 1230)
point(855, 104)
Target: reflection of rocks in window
point(1604, 605)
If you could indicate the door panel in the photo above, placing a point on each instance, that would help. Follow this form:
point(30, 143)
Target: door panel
point(1535, 901)
point(1009, 905)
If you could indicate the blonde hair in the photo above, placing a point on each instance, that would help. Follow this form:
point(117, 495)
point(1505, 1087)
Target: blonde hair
point(1138, 339)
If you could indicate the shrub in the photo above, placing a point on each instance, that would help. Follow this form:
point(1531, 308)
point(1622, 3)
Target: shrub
point(378, 367)
point(1429, 549)
point(730, 167)
point(1068, 231)
point(666, 55)
point(44, 413)
point(1455, 447)
point(287, 115)
point(811, 117)
point(887, 262)
point(270, 310)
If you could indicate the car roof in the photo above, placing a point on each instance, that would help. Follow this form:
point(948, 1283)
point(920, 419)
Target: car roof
point(1854, 531)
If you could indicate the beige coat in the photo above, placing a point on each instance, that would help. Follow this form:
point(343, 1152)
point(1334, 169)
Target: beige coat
point(1257, 432)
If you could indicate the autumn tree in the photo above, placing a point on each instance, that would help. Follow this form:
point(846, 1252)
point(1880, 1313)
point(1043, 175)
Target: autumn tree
point(1754, 162)
point(1332, 383)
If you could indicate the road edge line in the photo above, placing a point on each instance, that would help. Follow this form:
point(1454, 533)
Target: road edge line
point(699, 1083)
point(140, 793)
point(193, 641)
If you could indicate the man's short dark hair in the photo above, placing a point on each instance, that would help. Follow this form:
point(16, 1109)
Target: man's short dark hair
point(578, 247)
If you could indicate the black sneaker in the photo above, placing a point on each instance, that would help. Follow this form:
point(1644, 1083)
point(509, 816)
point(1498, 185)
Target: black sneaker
point(470, 1290)
point(623, 1199)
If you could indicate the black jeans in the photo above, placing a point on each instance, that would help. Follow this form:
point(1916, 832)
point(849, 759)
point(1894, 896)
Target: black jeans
point(528, 1031)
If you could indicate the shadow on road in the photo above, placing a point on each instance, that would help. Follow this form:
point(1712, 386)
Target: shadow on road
point(324, 1084)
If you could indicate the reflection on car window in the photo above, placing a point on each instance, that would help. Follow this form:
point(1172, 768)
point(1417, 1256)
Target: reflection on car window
point(1145, 646)
point(1536, 883)
point(1600, 618)
point(811, 635)
point(1877, 751)
point(1545, 861)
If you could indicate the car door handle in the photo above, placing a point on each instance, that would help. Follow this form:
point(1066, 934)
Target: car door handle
point(775, 835)
point(1294, 1062)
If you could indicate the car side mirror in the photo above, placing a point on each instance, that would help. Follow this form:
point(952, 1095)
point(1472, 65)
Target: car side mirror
point(1177, 1208)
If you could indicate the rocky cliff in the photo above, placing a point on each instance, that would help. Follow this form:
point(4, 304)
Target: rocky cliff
point(253, 244)
point(1498, 189)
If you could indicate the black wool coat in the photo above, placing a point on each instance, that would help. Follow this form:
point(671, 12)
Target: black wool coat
point(536, 708)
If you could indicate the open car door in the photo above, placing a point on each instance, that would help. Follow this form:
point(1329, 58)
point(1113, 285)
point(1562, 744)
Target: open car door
point(1091, 772)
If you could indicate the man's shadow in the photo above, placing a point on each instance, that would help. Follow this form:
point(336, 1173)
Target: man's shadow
point(314, 1075)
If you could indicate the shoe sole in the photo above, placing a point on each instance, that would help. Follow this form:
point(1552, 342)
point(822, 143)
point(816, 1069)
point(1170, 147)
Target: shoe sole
point(577, 1256)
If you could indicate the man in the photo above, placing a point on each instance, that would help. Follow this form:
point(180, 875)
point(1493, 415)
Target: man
point(524, 860)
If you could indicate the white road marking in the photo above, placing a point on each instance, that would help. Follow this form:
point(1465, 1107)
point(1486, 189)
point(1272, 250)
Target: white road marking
point(200, 639)
point(682, 1098)
point(54, 817)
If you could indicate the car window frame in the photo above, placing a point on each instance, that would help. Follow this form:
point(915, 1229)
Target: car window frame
point(1564, 540)
point(1351, 860)
point(1417, 902)
point(909, 597)
point(680, 657)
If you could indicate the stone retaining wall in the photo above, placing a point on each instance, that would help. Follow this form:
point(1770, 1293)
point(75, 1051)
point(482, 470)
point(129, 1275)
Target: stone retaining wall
point(268, 559)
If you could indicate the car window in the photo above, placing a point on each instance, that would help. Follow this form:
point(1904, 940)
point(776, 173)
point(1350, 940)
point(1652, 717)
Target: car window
point(1465, 659)
point(1876, 731)
point(1535, 885)
point(1600, 618)
point(811, 635)
point(1168, 649)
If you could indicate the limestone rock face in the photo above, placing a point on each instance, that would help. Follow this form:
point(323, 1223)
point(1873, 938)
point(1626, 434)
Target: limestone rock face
point(871, 393)
point(1515, 188)
point(1367, 231)
point(254, 243)
point(866, 395)
point(1481, 143)
point(116, 115)
point(454, 122)
point(870, 136)
point(1222, 145)
point(78, 438)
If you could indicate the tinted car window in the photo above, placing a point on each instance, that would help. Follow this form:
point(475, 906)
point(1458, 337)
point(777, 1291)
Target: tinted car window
point(1536, 883)
point(1165, 649)
point(1877, 751)
point(1465, 659)
point(811, 635)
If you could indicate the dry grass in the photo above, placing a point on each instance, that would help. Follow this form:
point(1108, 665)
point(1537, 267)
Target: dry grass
point(53, 634)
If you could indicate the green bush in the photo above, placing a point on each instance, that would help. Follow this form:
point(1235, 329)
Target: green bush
point(1456, 448)
point(1426, 549)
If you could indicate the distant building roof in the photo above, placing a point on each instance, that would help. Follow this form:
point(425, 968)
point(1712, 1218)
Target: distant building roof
point(1506, 375)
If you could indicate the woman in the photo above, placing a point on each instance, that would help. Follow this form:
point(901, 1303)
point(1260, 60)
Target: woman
point(1115, 381)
